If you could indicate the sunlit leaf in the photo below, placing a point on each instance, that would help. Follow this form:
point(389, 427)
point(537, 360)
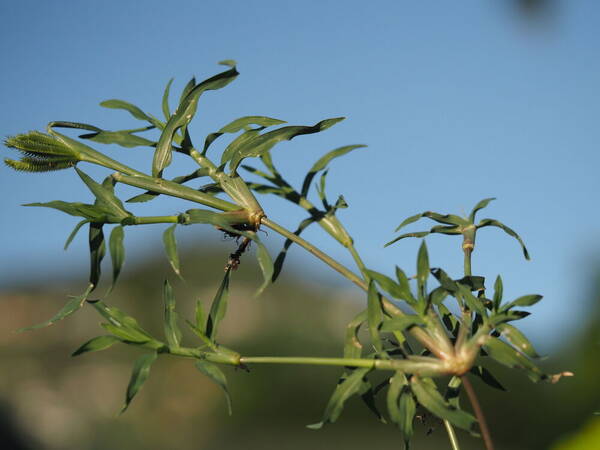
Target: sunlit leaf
point(97, 344)
point(213, 372)
point(128, 326)
point(417, 234)
point(482, 204)
point(508, 356)
point(183, 115)
point(131, 109)
point(322, 163)
point(517, 339)
point(91, 213)
point(525, 300)
point(70, 307)
point(141, 371)
point(105, 198)
point(263, 143)
point(165, 100)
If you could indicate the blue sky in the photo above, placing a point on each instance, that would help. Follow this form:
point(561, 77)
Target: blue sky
point(456, 103)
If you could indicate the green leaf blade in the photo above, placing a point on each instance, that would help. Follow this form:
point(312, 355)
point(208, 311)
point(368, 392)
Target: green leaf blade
point(213, 372)
point(139, 375)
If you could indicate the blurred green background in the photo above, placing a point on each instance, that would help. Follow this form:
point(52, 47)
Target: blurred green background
point(49, 400)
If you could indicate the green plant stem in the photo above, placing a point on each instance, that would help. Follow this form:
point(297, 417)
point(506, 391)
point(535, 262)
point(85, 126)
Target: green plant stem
point(423, 367)
point(359, 262)
point(316, 252)
point(485, 432)
point(467, 262)
point(148, 220)
point(167, 187)
point(388, 306)
point(451, 435)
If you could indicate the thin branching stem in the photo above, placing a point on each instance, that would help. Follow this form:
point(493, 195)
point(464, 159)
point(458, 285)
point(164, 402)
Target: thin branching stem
point(451, 435)
point(485, 431)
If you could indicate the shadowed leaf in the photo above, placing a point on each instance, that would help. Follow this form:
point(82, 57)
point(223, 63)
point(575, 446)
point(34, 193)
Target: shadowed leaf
point(172, 331)
point(117, 252)
point(349, 386)
point(218, 307)
point(213, 372)
point(171, 249)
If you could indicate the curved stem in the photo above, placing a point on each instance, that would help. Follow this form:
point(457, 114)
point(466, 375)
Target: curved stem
point(451, 435)
point(485, 432)
point(316, 252)
point(388, 306)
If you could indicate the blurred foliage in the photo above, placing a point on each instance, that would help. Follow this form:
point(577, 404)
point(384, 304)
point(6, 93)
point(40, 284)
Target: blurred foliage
point(59, 402)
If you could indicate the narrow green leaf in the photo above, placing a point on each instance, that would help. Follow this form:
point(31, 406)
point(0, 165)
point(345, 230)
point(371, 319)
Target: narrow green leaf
point(389, 285)
point(165, 100)
point(122, 325)
point(278, 264)
point(444, 279)
point(417, 234)
point(508, 356)
point(91, 213)
point(218, 307)
point(70, 307)
point(200, 317)
point(265, 142)
point(422, 270)
point(124, 138)
point(172, 331)
point(141, 371)
point(97, 251)
point(266, 266)
point(96, 344)
point(346, 388)
point(401, 323)
point(322, 163)
point(472, 302)
point(171, 249)
point(450, 321)
point(408, 221)
point(117, 252)
point(74, 232)
point(374, 316)
point(525, 300)
point(397, 382)
point(183, 116)
point(408, 410)
point(429, 397)
point(507, 230)
point(487, 377)
point(131, 109)
point(517, 339)
point(405, 285)
point(352, 345)
point(105, 198)
point(482, 204)
point(213, 372)
point(498, 291)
